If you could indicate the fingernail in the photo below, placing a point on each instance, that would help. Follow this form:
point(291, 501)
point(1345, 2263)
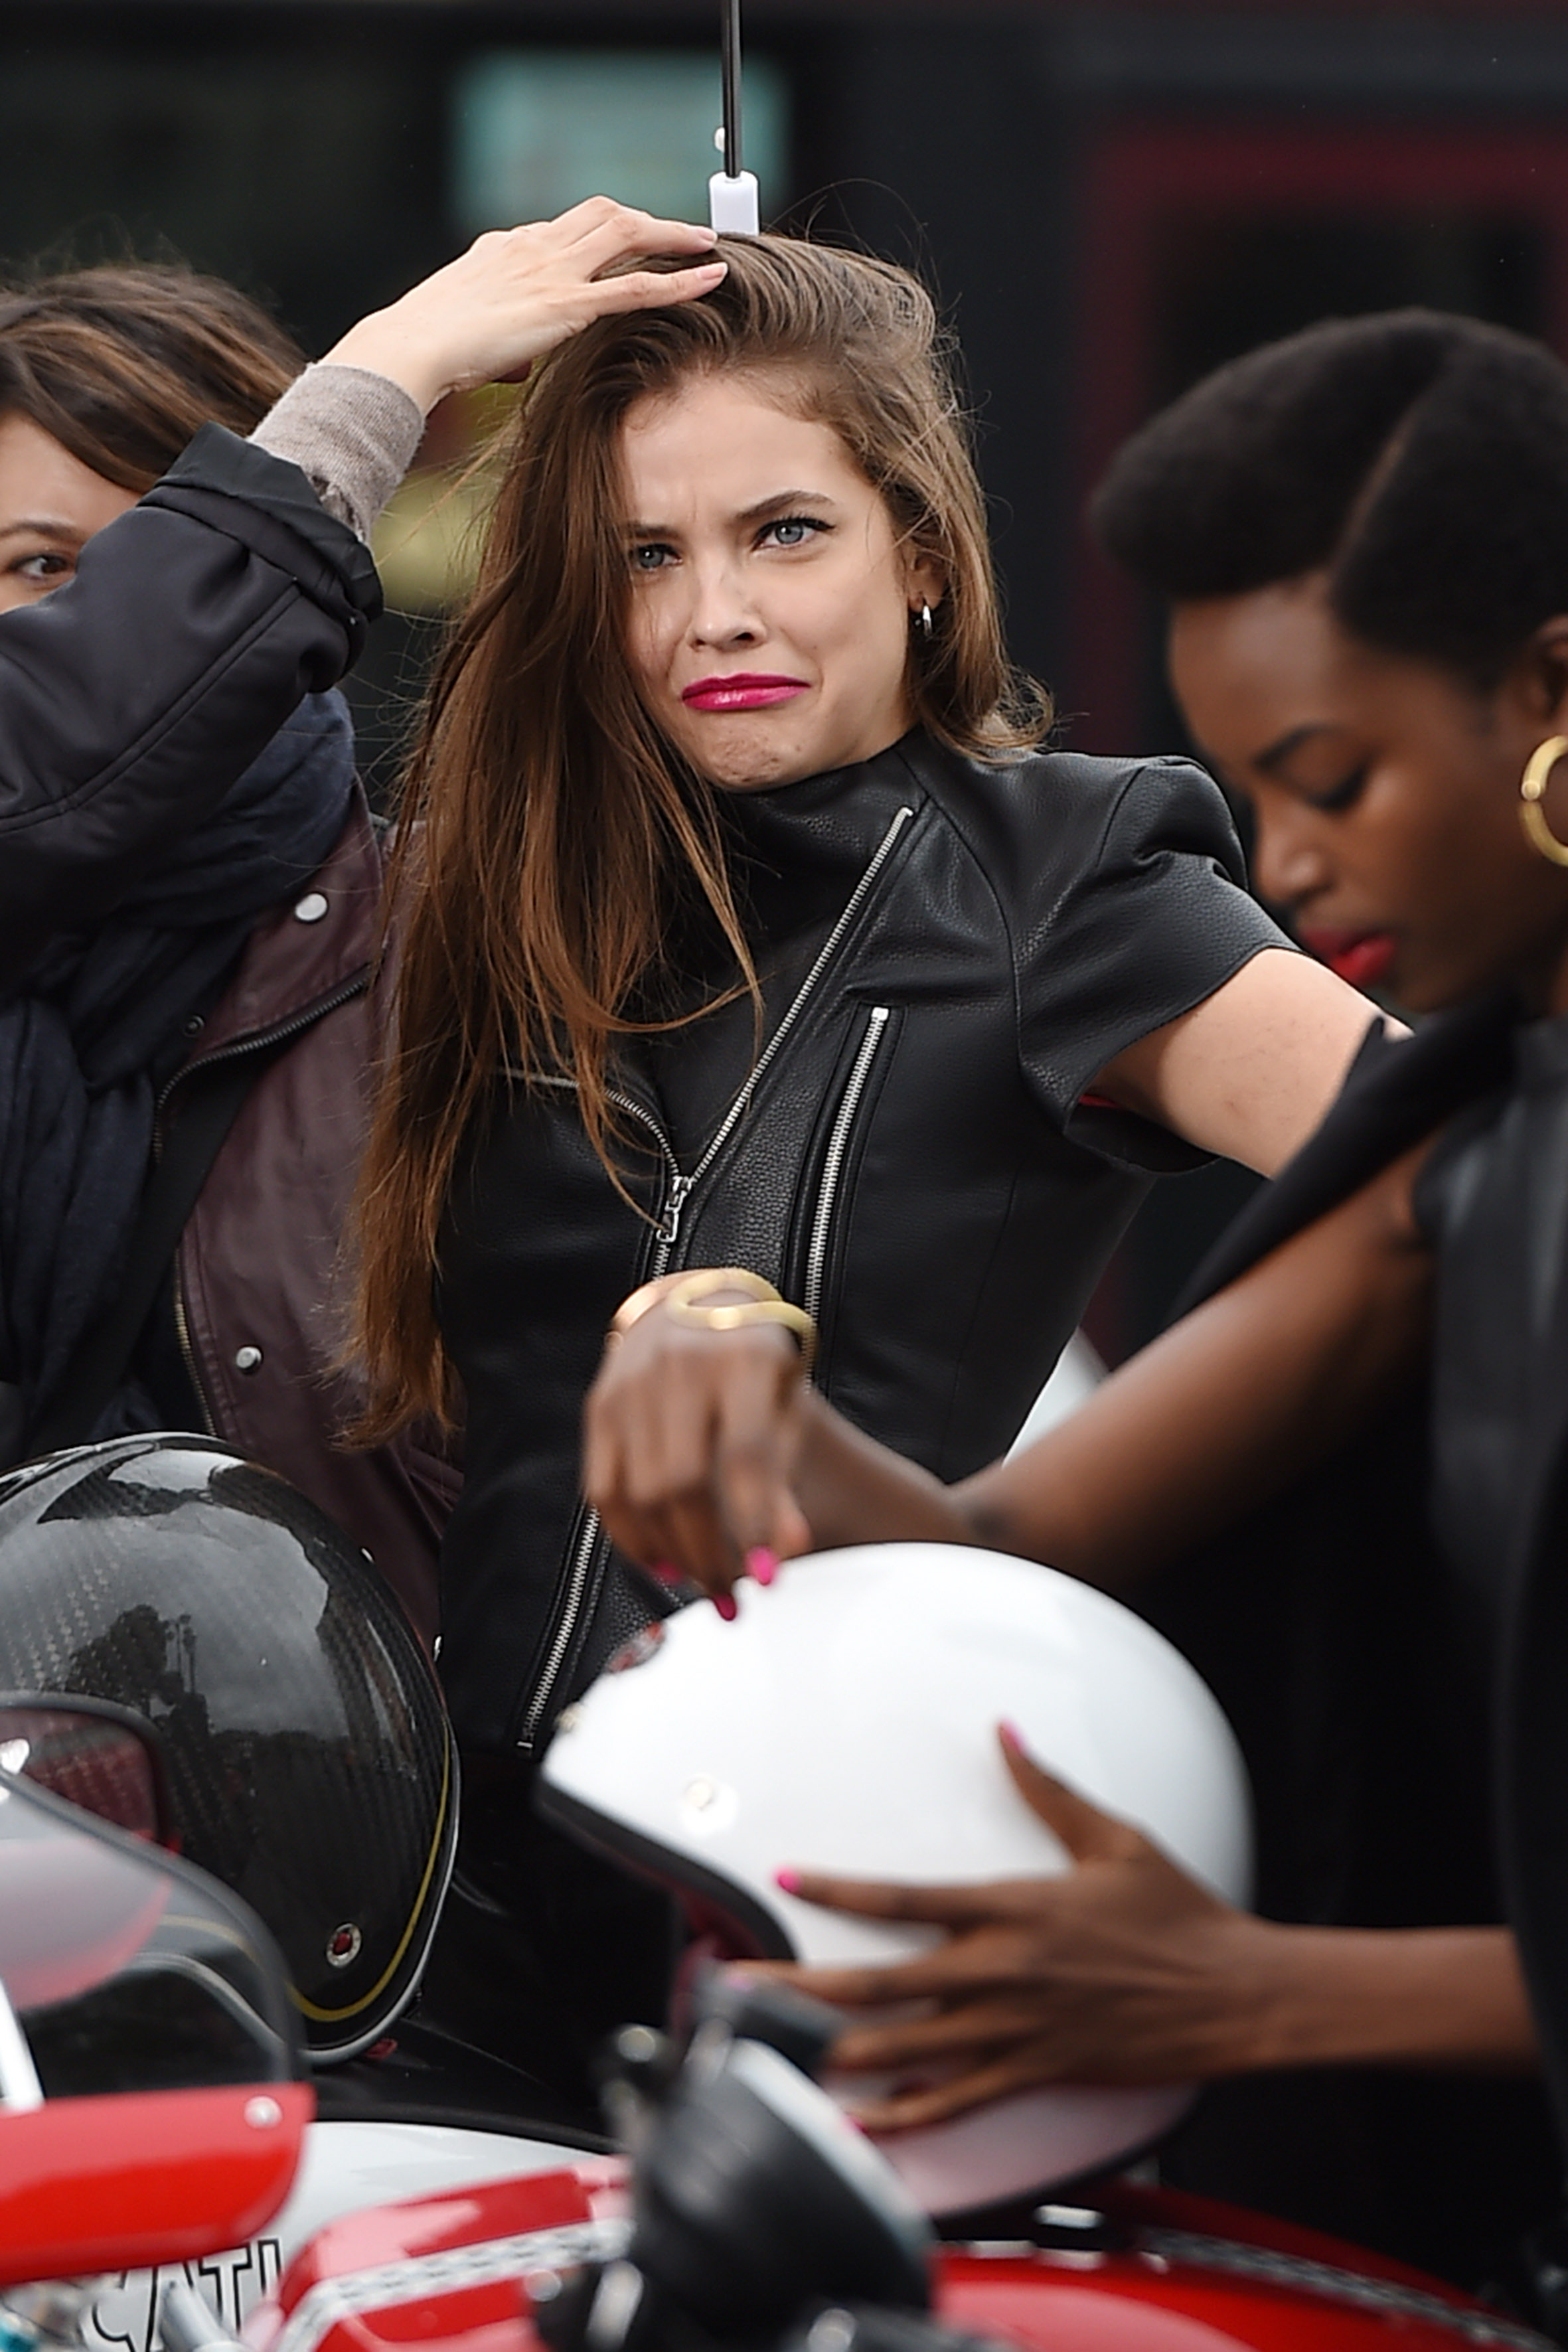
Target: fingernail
point(787, 1881)
point(665, 1571)
point(761, 1565)
point(727, 1606)
point(1011, 1735)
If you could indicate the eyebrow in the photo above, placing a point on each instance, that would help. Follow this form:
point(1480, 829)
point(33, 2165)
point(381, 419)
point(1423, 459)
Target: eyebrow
point(1278, 752)
point(748, 514)
point(42, 527)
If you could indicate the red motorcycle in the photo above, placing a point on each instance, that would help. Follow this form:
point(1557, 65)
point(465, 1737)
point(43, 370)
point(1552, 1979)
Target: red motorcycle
point(153, 2110)
point(752, 2214)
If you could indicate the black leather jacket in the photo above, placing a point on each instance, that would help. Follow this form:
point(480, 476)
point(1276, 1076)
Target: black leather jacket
point(949, 954)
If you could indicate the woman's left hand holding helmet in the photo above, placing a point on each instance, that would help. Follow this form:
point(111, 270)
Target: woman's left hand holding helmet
point(518, 292)
point(1124, 1969)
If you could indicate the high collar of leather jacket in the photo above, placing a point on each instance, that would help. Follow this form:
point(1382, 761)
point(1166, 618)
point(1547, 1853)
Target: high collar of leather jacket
point(799, 850)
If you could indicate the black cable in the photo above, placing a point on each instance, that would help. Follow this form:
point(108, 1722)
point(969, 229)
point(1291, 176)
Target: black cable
point(730, 51)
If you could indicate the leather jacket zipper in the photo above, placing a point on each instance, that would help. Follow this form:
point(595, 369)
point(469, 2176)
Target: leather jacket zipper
point(832, 1165)
point(588, 1551)
point(260, 1042)
point(581, 1579)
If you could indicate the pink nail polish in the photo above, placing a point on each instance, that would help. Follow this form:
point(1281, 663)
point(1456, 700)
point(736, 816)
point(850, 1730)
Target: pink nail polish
point(665, 1571)
point(761, 1565)
point(787, 1881)
point(1012, 1736)
point(727, 1606)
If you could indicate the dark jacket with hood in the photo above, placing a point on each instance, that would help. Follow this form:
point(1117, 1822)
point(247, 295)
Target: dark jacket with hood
point(188, 875)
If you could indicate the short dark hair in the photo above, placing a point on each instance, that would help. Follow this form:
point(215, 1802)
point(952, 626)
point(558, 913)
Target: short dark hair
point(121, 363)
point(1420, 460)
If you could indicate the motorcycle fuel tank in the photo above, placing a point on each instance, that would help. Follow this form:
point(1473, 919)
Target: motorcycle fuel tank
point(1143, 2271)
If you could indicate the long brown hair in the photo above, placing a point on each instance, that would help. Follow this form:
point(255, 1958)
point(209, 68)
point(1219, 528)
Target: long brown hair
point(123, 362)
point(548, 831)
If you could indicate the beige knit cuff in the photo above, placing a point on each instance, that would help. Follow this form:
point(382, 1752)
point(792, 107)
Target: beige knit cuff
point(353, 435)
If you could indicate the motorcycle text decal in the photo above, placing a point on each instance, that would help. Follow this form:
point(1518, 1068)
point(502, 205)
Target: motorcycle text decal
point(125, 2316)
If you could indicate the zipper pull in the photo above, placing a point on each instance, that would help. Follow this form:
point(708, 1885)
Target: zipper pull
point(668, 1232)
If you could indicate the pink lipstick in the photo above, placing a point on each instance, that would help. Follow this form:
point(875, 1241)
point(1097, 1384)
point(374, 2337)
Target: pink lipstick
point(742, 690)
point(1361, 957)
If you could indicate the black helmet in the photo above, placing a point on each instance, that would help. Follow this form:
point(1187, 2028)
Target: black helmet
point(310, 1763)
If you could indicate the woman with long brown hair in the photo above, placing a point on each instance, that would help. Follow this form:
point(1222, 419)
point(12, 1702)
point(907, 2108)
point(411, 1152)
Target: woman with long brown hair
point(743, 920)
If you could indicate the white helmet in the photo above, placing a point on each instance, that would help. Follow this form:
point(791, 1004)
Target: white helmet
point(846, 1722)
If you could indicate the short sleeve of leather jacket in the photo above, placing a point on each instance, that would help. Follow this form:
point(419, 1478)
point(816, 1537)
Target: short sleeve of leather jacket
point(1151, 921)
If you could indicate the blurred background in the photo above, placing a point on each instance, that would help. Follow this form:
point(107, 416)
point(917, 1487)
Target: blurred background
point(1110, 200)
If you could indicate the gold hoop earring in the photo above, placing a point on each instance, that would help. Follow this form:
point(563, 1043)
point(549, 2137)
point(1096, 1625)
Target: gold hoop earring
point(1531, 792)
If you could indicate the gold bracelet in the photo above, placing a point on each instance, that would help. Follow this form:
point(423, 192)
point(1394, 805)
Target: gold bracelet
point(681, 1299)
point(635, 1304)
point(692, 1285)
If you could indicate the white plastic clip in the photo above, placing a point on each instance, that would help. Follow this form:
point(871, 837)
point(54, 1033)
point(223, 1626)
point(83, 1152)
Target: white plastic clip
point(732, 204)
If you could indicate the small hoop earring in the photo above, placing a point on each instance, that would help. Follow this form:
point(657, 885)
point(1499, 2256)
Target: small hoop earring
point(1531, 790)
point(927, 628)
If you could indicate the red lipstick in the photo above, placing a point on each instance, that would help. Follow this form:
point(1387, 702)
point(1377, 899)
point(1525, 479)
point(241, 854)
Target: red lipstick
point(740, 690)
point(1363, 957)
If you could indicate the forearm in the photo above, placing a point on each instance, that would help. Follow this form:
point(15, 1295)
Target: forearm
point(853, 1490)
point(1426, 1997)
point(352, 434)
point(131, 700)
point(1254, 1387)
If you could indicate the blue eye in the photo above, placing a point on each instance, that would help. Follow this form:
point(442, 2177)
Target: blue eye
point(792, 531)
point(652, 557)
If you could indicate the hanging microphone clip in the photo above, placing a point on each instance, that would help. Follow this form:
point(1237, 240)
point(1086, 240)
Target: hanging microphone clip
point(731, 193)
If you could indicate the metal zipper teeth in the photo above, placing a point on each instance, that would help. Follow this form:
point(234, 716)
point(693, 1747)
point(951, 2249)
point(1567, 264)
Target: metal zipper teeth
point(680, 1188)
point(294, 1026)
point(188, 1356)
point(587, 1542)
point(824, 956)
point(832, 1165)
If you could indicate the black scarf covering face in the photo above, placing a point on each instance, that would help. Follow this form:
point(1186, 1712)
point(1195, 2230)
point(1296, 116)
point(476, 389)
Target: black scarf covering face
point(100, 1024)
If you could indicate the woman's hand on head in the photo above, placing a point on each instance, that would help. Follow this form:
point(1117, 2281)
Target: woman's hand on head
point(516, 293)
point(691, 1438)
point(1122, 1971)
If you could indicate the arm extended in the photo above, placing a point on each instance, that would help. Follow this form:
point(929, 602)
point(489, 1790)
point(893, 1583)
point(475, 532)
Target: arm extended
point(132, 699)
point(705, 1448)
point(1125, 1971)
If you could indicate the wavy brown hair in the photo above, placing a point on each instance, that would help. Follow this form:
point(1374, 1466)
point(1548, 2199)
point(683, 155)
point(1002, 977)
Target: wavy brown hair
point(550, 833)
point(123, 363)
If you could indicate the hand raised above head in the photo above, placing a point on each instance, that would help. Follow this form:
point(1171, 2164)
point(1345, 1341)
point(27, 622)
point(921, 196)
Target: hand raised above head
point(518, 292)
point(690, 1436)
